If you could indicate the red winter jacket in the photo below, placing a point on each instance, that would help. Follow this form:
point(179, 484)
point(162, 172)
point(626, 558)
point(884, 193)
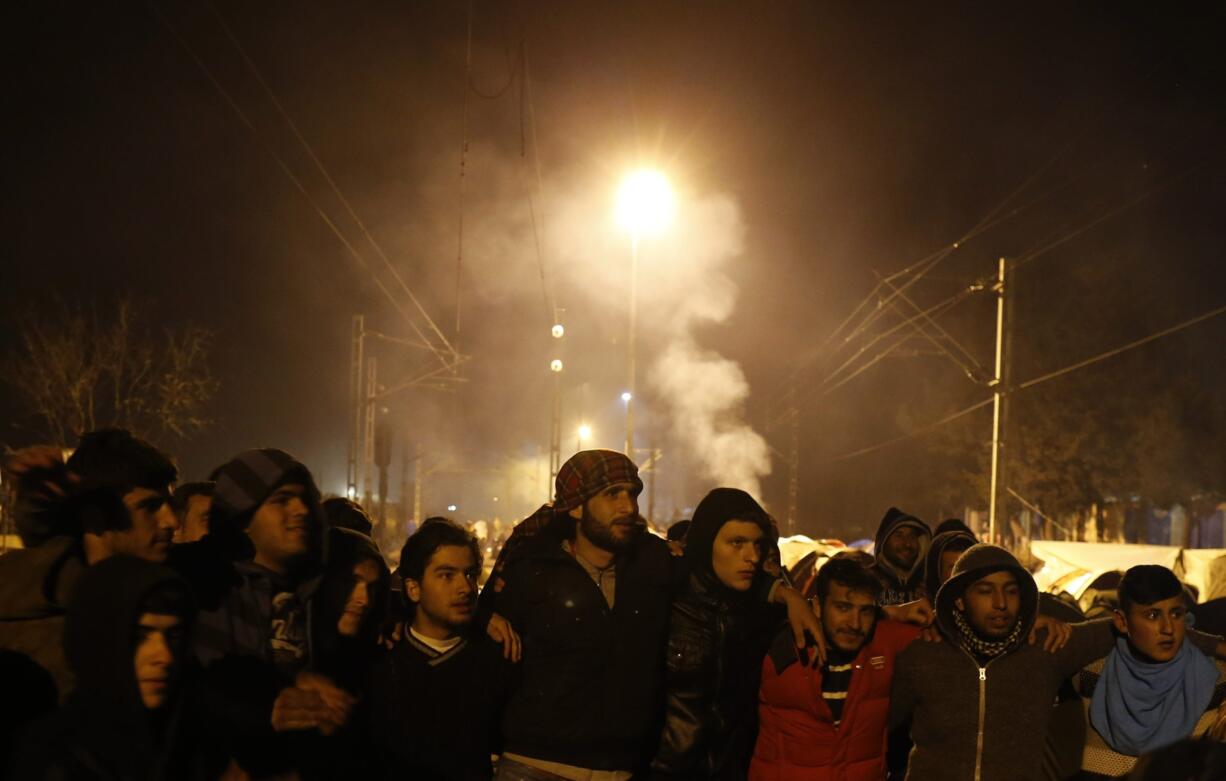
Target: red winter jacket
point(797, 739)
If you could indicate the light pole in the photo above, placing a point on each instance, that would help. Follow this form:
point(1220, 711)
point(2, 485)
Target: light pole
point(645, 207)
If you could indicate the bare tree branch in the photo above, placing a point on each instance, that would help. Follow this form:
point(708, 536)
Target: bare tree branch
point(78, 370)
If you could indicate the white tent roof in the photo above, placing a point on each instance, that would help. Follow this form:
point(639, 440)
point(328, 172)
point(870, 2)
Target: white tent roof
point(1073, 566)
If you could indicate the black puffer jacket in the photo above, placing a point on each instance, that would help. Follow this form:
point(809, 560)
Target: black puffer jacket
point(717, 639)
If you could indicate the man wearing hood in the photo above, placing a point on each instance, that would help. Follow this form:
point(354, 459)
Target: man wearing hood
point(126, 642)
point(589, 591)
point(901, 542)
point(110, 497)
point(980, 701)
point(717, 638)
point(946, 548)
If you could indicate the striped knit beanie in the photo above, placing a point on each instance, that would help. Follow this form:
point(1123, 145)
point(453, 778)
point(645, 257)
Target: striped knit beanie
point(245, 481)
point(589, 472)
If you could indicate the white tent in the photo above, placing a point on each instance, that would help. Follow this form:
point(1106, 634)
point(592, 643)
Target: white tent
point(1073, 566)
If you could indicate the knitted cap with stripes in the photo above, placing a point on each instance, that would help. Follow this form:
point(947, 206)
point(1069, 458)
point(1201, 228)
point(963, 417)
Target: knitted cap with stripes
point(245, 481)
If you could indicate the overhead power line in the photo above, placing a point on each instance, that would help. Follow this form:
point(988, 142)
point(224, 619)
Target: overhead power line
point(446, 354)
point(1031, 383)
point(1123, 348)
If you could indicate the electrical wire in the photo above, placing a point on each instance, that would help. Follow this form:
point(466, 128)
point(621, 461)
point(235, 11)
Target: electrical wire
point(297, 183)
point(909, 435)
point(454, 354)
point(1212, 313)
point(527, 123)
point(1124, 348)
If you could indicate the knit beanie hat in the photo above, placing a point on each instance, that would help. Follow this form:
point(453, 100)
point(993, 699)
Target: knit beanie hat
point(589, 472)
point(245, 481)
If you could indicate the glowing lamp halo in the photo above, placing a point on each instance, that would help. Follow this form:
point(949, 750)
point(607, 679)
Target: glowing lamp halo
point(646, 204)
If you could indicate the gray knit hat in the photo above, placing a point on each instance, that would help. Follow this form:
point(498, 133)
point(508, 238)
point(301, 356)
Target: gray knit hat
point(245, 481)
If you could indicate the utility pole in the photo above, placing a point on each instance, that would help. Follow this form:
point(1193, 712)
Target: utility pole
point(632, 346)
point(417, 484)
point(794, 467)
point(557, 331)
point(998, 404)
point(357, 402)
point(368, 428)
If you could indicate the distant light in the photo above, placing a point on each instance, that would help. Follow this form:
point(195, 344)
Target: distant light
point(558, 331)
point(585, 432)
point(452, 508)
point(352, 492)
point(555, 365)
point(626, 396)
point(495, 498)
point(645, 203)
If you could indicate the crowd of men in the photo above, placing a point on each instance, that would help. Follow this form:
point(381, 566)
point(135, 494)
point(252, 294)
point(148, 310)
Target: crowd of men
point(241, 628)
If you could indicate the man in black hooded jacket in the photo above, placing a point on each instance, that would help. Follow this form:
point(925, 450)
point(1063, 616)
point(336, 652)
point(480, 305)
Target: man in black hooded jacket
point(717, 638)
point(129, 716)
point(901, 542)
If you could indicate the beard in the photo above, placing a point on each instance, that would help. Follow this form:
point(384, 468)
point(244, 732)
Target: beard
point(613, 536)
point(902, 566)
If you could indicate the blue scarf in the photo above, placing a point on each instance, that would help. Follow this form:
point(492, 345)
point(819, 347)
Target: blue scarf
point(1138, 706)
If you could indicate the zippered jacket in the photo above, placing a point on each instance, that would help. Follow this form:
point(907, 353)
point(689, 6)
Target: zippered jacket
point(797, 737)
point(986, 721)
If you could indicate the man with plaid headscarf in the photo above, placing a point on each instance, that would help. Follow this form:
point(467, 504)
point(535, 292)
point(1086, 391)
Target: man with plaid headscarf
point(589, 592)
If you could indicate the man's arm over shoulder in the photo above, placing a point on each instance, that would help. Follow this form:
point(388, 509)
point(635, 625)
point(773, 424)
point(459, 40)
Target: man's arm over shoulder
point(1088, 640)
point(1210, 645)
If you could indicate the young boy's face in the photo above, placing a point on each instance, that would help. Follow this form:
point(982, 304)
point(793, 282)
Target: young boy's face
point(1156, 631)
point(159, 649)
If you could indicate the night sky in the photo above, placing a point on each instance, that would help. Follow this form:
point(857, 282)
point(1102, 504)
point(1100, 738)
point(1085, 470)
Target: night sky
point(824, 142)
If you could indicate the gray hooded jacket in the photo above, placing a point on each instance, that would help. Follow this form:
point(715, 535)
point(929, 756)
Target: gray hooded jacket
point(975, 720)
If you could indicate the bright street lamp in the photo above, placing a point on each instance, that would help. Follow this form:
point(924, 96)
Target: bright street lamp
point(645, 203)
point(584, 434)
point(645, 208)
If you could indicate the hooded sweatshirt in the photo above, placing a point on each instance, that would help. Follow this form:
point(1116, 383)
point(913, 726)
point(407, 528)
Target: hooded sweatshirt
point(343, 659)
point(717, 639)
point(104, 730)
point(246, 609)
point(899, 586)
point(932, 560)
point(986, 718)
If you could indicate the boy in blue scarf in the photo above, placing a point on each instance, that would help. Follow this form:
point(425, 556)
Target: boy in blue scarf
point(1153, 689)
